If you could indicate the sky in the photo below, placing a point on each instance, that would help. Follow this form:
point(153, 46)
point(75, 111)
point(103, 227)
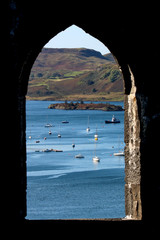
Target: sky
point(75, 37)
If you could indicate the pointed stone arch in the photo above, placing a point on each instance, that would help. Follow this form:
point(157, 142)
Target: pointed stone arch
point(28, 33)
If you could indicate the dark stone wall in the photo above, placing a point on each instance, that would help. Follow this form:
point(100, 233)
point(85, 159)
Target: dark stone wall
point(133, 40)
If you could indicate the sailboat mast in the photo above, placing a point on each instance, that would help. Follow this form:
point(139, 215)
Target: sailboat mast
point(95, 158)
point(88, 128)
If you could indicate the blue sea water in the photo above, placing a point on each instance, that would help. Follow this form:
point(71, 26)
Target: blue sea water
point(59, 186)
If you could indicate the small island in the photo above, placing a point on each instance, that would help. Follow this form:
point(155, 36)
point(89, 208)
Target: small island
point(85, 106)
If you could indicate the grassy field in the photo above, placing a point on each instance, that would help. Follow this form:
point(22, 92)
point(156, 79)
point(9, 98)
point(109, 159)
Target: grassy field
point(118, 96)
point(73, 74)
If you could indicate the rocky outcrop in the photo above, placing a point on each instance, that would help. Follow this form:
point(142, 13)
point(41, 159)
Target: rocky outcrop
point(86, 106)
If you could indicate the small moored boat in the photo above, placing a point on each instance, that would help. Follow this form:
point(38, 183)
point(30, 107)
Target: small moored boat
point(73, 145)
point(48, 125)
point(79, 156)
point(65, 121)
point(96, 159)
point(56, 150)
point(88, 128)
point(47, 150)
point(119, 154)
point(114, 120)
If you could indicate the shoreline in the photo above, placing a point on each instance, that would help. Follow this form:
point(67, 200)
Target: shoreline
point(113, 97)
point(94, 101)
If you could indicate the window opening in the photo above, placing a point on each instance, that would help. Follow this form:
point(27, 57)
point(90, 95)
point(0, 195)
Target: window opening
point(66, 132)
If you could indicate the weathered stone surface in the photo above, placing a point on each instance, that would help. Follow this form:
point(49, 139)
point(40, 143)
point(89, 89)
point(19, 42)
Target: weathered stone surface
point(132, 154)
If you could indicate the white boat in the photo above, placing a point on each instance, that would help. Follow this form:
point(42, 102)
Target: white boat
point(96, 137)
point(30, 137)
point(119, 154)
point(47, 150)
point(88, 129)
point(121, 150)
point(79, 156)
point(59, 135)
point(48, 125)
point(96, 159)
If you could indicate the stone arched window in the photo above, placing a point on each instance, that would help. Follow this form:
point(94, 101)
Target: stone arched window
point(132, 127)
point(28, 33)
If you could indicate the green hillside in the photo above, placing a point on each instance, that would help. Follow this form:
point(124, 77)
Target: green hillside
point(73, 74)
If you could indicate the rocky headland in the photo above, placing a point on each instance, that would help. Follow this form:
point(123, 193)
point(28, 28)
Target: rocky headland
point(86, 106)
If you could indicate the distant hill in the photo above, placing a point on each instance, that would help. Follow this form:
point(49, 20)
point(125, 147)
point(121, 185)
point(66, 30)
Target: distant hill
point(75, 74)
